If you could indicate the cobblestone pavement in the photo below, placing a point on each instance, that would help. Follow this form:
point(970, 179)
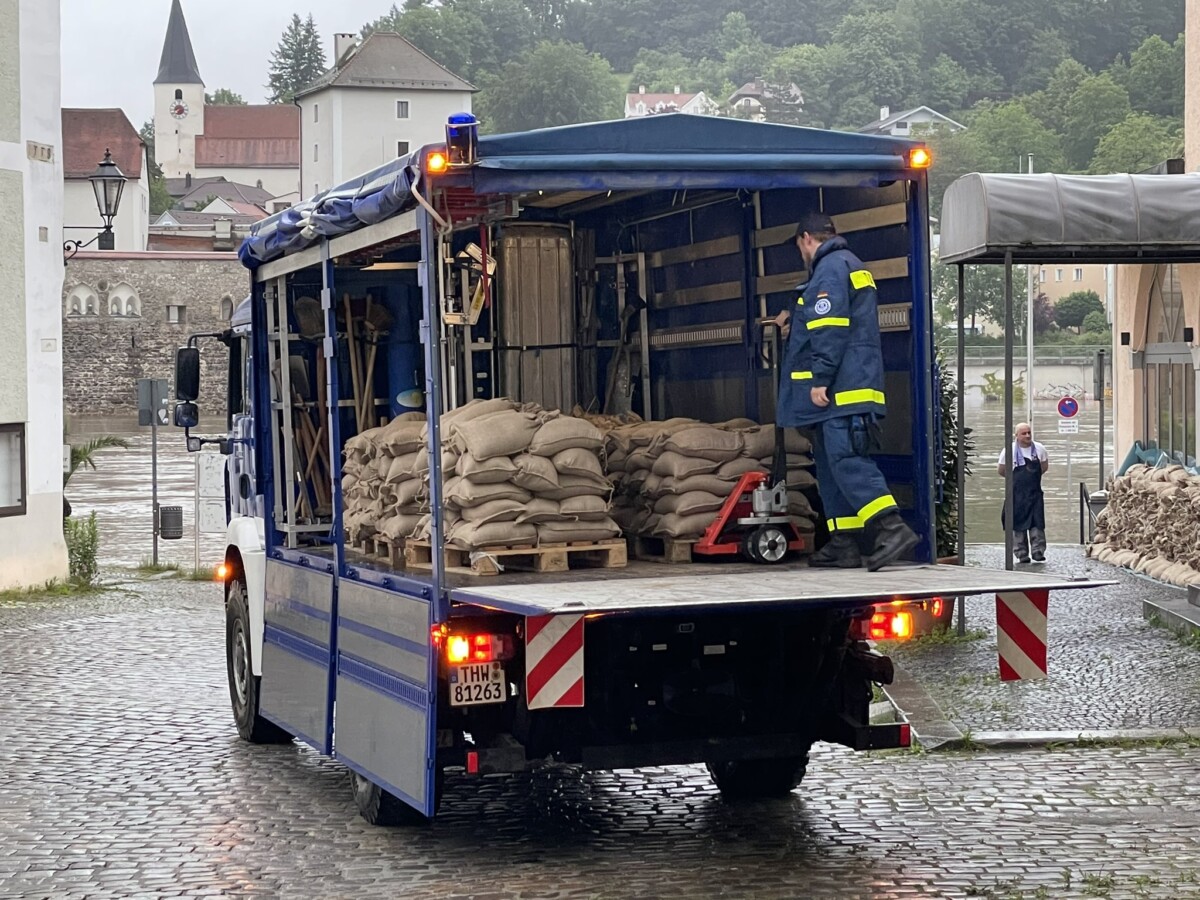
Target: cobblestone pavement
point(1108, 667)
point(124, 778)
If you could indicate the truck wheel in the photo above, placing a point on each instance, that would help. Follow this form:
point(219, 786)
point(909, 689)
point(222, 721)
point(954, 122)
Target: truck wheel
point(379, 807)
point(243, 683)
point(749, 779)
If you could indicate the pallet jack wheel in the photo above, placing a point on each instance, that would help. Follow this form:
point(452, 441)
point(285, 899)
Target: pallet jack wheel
point(766, 544)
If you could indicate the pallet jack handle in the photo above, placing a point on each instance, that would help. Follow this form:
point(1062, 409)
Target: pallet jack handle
point(779, 460)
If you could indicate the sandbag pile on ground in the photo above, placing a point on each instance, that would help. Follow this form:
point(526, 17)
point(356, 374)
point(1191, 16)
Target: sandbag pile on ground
point(1152, 524)
point(512, 475)
point(673, 477)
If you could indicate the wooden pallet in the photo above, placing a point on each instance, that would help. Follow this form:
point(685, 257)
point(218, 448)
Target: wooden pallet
point(559, 557)
point(382, 548)
point(658, 549)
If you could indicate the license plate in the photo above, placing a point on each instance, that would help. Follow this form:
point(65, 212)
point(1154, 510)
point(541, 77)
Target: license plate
point(477, 683)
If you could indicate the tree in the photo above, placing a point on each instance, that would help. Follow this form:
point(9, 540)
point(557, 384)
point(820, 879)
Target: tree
point(297, 62)
point(224, 97)
point(1136, 144)
point(1050, 105)
point(1005, 134)
point(555, 83)
point(1095, 322)
point(1097, 105)
point(1071, 310)
point(1156, 77)
point(983, 294)
point(946, 85)
point(160, 199)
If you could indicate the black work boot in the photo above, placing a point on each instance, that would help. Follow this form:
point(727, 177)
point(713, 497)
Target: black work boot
point(840, 553)
point(892, 540)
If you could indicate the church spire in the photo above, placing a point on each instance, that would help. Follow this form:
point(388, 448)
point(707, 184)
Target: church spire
point(178, 63)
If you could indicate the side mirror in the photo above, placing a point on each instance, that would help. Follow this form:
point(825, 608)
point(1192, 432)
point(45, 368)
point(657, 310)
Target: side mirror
point(187, 415)
point(187, 376)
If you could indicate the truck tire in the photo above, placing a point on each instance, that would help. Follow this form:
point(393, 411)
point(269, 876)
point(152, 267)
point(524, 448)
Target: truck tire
point(243, 683)
point(750, 779)
point(379, 807)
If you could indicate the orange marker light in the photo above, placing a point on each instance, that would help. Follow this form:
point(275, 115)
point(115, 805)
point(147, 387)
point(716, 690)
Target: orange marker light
point(222, 572)
point(901, 625)
point(436, 162)
point(458, 649)
point(919, 158)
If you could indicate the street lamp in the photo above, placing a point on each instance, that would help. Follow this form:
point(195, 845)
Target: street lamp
point(108, 183)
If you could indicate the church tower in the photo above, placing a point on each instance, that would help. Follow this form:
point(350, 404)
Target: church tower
point(178, 100)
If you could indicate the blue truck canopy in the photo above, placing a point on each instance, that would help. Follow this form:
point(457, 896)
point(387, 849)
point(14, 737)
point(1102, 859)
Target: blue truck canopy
point(673, 151)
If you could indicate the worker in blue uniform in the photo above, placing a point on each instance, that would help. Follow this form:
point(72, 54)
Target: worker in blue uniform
point(832, 385)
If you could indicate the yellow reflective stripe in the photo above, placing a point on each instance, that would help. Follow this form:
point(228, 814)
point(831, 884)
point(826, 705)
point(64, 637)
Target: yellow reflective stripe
point(801, 376)
point(800, 300)
point(861, 279)
point(887, 501)
point(828, 320)
point(864, 395)
point(845, 523)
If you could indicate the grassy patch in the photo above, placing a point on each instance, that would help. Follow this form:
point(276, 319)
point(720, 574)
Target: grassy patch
point(149, 567)
point(944, 635)
point(48, 590)
point(201, 574)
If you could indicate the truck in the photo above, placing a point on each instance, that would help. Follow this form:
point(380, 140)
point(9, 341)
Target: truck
point(620, 266)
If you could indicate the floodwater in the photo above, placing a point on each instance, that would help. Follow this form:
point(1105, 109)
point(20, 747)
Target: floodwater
point(119, 492)
point(119, 489)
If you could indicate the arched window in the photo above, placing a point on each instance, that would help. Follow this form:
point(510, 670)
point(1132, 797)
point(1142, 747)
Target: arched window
point(226, 308)
point(125, 299)
point(1169, 410)
point(82, 301)
point(178, 94)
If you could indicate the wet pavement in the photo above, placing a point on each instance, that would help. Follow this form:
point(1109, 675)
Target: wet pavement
point(125, 778)
point(1109, 668)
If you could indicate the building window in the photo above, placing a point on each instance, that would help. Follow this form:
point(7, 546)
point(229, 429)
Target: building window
point(1042, 276)
point(402, 148)
point(12, 470)
point(401, 109)
point(316, 188)
point(1078, 274)
point(176, 315)
point(316, 112)
point(316, 152)
point(747, 103)
point(178, 94)
point(1058, 274)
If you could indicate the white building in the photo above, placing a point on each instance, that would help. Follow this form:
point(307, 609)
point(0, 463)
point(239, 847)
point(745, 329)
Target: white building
point(32, 549)
point(255, 145)
point(751, 99)
point(87, 133)
point(909, 122)
point(382, 99)
point(644, 103)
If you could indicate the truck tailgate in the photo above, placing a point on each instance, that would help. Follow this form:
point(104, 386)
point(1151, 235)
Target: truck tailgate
point(796, 587)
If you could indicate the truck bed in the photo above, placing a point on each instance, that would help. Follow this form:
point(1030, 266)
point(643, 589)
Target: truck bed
point(644, 587)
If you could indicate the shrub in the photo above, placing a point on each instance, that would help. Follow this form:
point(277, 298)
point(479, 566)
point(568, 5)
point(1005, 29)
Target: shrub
point(83, 542)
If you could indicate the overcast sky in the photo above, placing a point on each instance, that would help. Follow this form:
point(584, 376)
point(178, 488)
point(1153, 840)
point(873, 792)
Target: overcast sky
point(111, 48)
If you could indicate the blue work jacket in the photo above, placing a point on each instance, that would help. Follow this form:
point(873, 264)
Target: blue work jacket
point(834, 342)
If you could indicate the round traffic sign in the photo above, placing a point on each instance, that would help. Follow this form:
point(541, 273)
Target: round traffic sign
point(1068, 407)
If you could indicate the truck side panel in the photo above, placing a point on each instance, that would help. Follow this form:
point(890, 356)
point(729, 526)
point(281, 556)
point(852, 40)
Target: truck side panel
point(385, 701)
point(296, 651)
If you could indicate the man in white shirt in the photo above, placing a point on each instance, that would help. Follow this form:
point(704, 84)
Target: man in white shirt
point(1030, 462)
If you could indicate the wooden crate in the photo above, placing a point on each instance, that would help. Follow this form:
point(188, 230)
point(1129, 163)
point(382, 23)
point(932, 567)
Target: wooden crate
point(611, 554)
point(658, 549)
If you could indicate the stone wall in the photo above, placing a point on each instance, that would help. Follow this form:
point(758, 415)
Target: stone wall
point(125, 314)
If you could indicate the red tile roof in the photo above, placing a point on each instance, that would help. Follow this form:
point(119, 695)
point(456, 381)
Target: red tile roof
point(279, 121)
point(247, 153)
point(88, 132)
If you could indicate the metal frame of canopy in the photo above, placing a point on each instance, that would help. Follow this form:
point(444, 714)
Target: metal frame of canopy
point(999, 219)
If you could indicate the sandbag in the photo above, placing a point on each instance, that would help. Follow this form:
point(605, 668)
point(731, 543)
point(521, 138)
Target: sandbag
point(760, 443)
point(710, 484)
point(705, 442)
point(692, 503)
point(675, 526)
point(499, 434)
point(795, 442)
point(641, 460)
point(539, 510)
point(475, 536)
point(401, 437)
point(465, 492)
point(494, 511)
point(736, 468)
point(676, 465)
point(567, 532)
point(800, 479)
point(576, 486)
point(449, 463)
point(478, 408)
point(585, 506)
point(741, 424)
point(407, 492)
point(565, 433)
point(496, 470)
point(398, 527)
point(535, 473)
point(577, 461)
point(400, 469)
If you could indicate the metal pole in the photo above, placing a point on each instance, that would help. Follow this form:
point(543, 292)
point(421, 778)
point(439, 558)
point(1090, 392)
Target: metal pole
point(1029, 337)
point(196, 520)
point(961, 474)
point(1100, 397)
point(1008, 411)
point(155, 402)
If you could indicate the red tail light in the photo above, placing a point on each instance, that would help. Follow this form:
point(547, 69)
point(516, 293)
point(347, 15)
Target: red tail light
point(890, 626)
point(937, 606)
point(473, 648)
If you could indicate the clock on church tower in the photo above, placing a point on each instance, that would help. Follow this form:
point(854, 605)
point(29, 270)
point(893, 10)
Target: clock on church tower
point(179, 109)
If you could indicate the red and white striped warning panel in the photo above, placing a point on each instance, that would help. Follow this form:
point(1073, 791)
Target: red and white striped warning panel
point(1021, 634)
point(554, 661)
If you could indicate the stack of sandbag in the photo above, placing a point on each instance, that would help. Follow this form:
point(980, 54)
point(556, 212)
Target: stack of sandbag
point(673, 477)
point(1152, 524)
point(381, 487)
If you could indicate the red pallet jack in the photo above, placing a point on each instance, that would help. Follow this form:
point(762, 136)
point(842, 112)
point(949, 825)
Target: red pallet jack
point(754, 519)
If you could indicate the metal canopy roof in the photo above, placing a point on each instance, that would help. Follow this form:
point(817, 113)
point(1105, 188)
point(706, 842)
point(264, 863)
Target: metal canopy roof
point(1071, 218)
